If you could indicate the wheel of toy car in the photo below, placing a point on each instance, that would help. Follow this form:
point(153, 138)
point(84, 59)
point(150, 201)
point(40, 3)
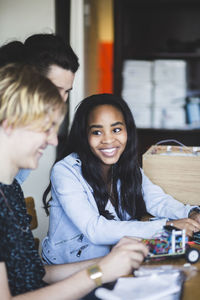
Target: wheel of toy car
point(192, 255)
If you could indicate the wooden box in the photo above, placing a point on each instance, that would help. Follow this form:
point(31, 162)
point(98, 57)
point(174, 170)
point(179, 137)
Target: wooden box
point(176, 170)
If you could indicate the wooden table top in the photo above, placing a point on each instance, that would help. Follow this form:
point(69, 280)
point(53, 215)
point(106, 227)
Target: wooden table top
point(191, 290)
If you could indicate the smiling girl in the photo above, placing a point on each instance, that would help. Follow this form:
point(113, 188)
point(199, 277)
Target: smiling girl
point(99, 192)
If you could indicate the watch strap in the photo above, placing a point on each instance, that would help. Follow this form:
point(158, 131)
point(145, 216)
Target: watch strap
point(95, 274)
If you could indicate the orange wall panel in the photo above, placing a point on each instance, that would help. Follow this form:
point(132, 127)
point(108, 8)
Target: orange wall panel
point(105, 66)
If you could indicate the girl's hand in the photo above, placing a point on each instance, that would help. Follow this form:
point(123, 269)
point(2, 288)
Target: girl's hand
point(188, 224)
point(195, 216)
point(127, 255)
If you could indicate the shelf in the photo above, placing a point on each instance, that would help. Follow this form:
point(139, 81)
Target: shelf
point(163, 4)
point(158, 29)
point(161, 55)
point(168, 130)
point(148, 137)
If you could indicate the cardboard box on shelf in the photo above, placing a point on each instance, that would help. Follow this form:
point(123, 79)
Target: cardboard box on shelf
point(169, 117)
point(170, 71)
point(142, 116)
point(159, 89)
point(176, 170)
point(138, 95)
point(169, 95)
point(140, 71)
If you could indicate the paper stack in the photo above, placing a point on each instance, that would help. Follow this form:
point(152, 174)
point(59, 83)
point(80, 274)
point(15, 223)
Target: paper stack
point(169, 77)
point(137, 90)
point(155, 92)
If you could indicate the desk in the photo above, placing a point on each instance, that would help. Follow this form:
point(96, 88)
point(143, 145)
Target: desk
point(192, 286)
point(191, 289)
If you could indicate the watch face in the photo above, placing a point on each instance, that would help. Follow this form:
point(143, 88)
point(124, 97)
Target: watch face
point(95, 274)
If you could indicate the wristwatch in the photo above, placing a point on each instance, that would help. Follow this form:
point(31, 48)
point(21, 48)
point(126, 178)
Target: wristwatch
point(194, 209)
point(95, 274)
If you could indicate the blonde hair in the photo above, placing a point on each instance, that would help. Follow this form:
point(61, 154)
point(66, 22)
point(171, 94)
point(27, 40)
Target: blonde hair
point(26, 98)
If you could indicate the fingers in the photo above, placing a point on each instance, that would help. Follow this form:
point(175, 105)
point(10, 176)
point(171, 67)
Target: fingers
point(188, 224)
point(193, 223)
point(191, 227)
point(189, 232)
point(137, 258)
point(127, 239)
point(195, 216)
point(123, 259)
point(132, 238)
point(131, 244)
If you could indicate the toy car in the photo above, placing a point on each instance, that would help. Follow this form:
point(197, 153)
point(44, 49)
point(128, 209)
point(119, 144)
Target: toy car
point(196, 237)
point(171, 242)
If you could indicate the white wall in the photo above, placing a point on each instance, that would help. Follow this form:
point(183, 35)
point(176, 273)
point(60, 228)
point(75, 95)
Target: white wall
point(21, 18)
point(18, 20)
point(77, 43)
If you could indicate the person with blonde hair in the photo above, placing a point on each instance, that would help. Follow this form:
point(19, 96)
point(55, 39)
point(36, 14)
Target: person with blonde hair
point(31, 110)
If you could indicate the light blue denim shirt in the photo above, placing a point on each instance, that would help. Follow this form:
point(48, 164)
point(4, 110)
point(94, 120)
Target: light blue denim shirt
point(22, 175)
point(77, 231)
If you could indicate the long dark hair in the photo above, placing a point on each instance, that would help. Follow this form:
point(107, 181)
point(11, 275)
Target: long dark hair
point(126, 170)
